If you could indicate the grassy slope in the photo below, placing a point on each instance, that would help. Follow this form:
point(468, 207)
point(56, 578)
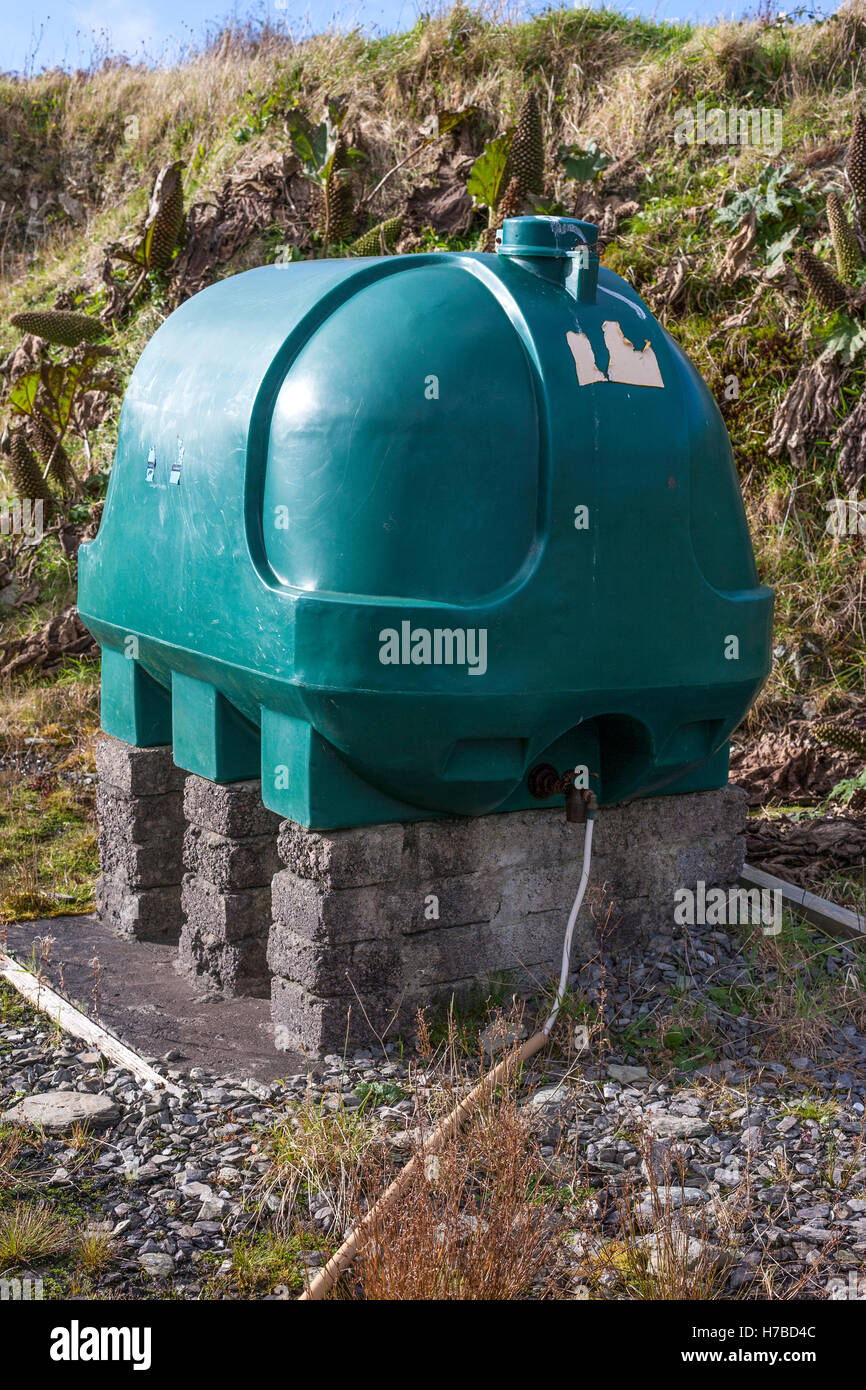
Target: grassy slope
point(599, 75)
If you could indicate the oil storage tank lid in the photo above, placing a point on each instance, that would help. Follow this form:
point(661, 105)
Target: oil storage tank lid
point(545, 236)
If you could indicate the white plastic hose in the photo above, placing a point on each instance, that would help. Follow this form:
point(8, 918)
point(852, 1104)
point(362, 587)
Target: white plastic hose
point(569, 931)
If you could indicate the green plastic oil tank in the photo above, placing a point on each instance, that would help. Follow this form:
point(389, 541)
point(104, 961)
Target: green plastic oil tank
point(394, 532)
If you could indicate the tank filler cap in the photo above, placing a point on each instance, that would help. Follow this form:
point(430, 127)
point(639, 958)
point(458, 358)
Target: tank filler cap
point(561, 249)
point(558, 237)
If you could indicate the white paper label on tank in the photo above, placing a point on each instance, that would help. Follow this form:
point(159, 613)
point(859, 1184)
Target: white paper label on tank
point(638, 368)
point(584, 359)
point(626, 364)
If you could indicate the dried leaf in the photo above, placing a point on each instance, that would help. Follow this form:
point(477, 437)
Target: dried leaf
point(739, 253)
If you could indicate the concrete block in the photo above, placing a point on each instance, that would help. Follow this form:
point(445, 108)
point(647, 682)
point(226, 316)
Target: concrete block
point(301, 1020)
point(225, 916)
point(234, 809)
point(137, 771)
point(231, 968)
point(350, 914)
point(230, 863)
point(143, 819)
point(372, 967)
point(139, 866)
point(405, 916)
point(143, 914)
point(343, 858)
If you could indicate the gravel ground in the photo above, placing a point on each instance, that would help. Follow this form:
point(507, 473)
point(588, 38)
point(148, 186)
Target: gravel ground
point(700, 1129)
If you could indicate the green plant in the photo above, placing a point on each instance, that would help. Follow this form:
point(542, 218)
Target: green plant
point(379, 240)
point(841, 336)
point(525, 167)
point(265, 1261)
point(844, 335)
point(820, 279)
point(583, 164)
point(60, 326)
point(262, 109)
point(153, 245)
point(848, 257)
point(485, 183)
point(381, 1092)
point(94, 1247)
point(315, 1150)
point(510, 205)
point(48, 402)
point(847, 737)
point(328, 162)
point(27, 476)
point(812, 1106)
point(855, 162)
point(772, 199)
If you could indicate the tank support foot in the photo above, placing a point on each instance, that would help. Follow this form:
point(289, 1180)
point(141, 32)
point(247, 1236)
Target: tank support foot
point(134, 707)
point(210, 736)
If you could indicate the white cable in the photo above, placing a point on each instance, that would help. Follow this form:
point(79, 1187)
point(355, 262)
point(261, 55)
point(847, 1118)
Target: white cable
point(569, 931)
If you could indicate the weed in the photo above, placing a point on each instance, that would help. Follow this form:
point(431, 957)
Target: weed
point(472, 1224)
point(266, 1261)
point(315, 1151)
point(94, 1248)
point(29, 1233)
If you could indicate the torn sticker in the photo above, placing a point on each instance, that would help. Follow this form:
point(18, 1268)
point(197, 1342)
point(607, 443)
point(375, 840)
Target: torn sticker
point(627, 364)
point(584, 359)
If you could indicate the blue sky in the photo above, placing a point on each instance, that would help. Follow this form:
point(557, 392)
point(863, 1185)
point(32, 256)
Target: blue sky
point(45, 33)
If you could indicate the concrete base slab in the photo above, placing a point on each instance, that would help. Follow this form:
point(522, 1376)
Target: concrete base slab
point(148, 1005)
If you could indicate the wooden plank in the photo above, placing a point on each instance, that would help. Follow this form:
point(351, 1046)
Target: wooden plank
point(834, 920)
point(72, 1020)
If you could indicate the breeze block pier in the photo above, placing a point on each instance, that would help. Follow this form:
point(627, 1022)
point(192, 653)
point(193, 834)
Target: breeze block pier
point(373, 923)
point(139, 806)
point(230, 854)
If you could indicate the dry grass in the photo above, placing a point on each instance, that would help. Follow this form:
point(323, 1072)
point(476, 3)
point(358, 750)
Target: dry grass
point(319, 1153)
point(48, 857)
point(63, 716)
point(101, 135)
point(601, 74)
point(94, 1248)
point(798, 1006)
point(10, 1147)
point(470, 1225)
point(29, 1233)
